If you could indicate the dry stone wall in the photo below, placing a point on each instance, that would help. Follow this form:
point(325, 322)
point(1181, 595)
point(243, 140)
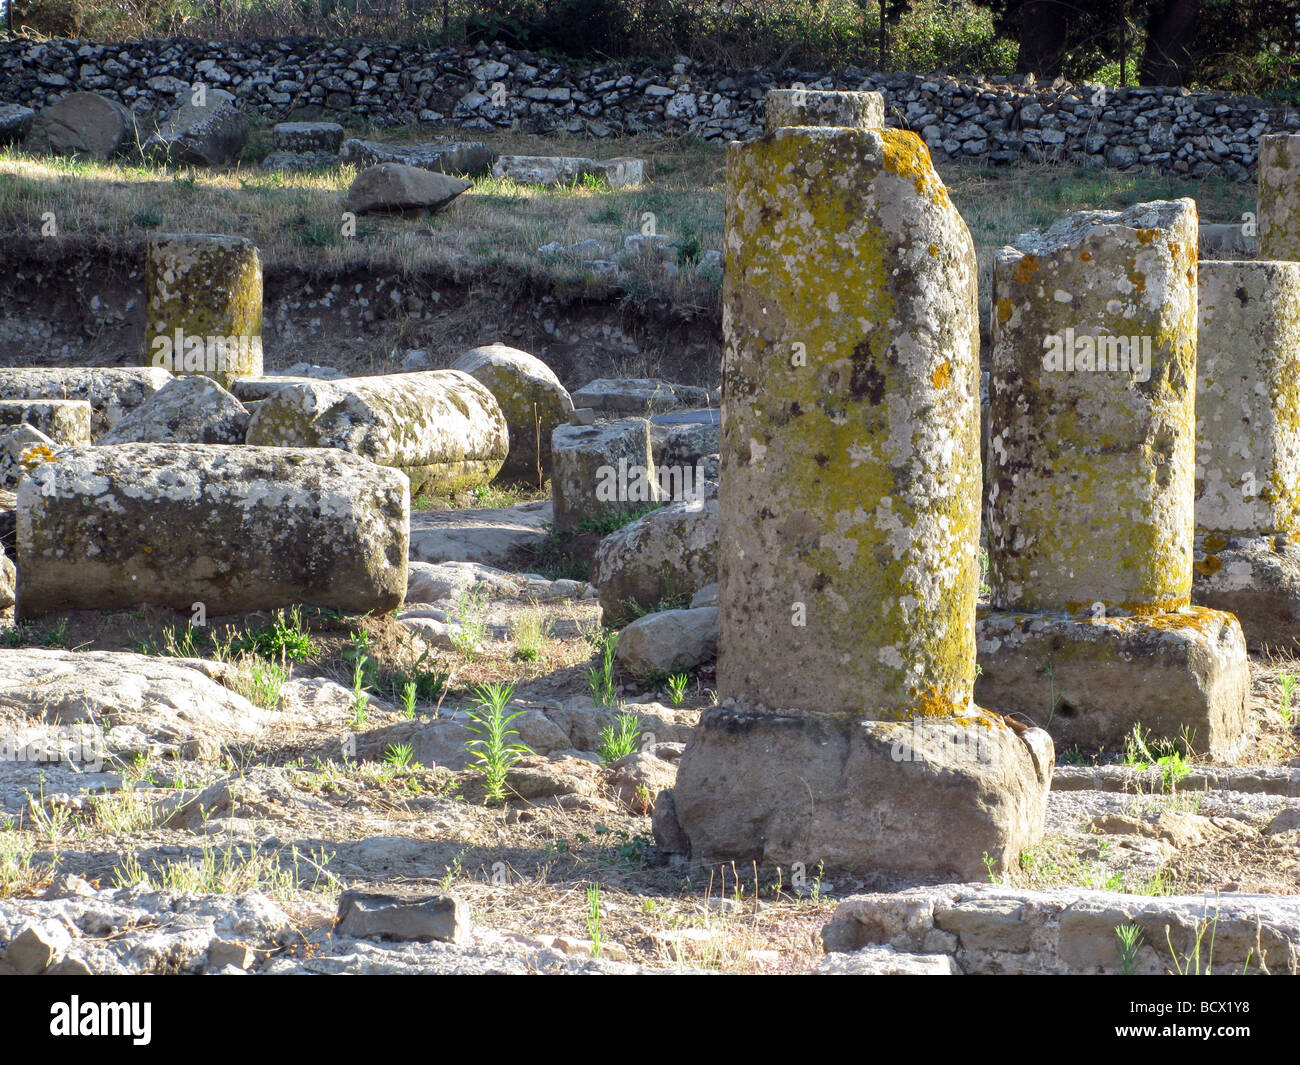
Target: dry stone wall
point(999, 120)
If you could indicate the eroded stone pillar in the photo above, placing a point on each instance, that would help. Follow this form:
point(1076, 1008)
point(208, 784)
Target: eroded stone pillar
point(849, 527)
point(1279, 196)
point(1248, 447)
point(1091, 489)
point(813, 107)
point(204, 306)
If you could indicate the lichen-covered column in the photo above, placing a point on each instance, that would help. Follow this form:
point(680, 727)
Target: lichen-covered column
point(1091, 489)
point(814, 107)
point(204, 306)
point(1248, 447)
point(849, 524)
point(1279, 196)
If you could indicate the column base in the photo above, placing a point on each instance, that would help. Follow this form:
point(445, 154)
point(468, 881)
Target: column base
point(934, 797)
point(1088, 681)
point(1258, 579)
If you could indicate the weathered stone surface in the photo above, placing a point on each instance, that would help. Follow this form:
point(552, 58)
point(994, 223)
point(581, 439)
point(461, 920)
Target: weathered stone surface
point(365, 915)
point(666, 555)
point(65, 421)
point(15, 122)
point(642, 396)
point(111, 391)
point(932, 797)
point(1006, 930)
point(307, 137)
point(37, 946)
point(441, 428)
point(599, 470)
point(531, 398)
point(1248, 398)
point(210, 130)
point(236, 528)
point(686, 453)
point(394, 187)
point(470, 158)
point(1222, 241)
point(669, 641)
point(567, 170)
point(92, 707)
point(849, 525)
point(204, 306)
point(1279, 196)
point(22, 448)
point(83, 124)
point(299, 160)
point(186, 410)
point(488, 535)
point(886, 961)
point(1088, 681)
point(809, 107)
point(1071, 439)
point(1257, 578)
point(8, 581)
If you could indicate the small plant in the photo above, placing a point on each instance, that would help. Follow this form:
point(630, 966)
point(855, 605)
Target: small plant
point(358, 653)
point(492, 752)
point(619, 740)
point(986, 589)
point(19, 872)
point(468, 635)
point(1130, 939)
point(593, 918)
point(262, 681)
point(147, 219)
point(1053, 696)
point(530, 631)
point(360, 697)
point(399, 756)
point(677, 687)
point(1173, 763)
point(600, 677)
point(409, 690)
point(284, 638)
point(1190, 963)
point(182, 645)
point(1286, 681)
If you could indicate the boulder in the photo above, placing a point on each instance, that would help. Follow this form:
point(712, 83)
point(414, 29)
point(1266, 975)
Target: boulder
point(442, 428)
point(364, 915)
point(112, 392)
point(642, 396)
point(488, 535)
point(65, 421)
point(186, 410)
point(531, 398)
point(393, 187)
point(567, 170)
point(441, 157)
point(209, 131)
point(15, 122)
point(666, 555)
point(235, 528)
point(669, 641)
point(598, 471)
point(83, 124)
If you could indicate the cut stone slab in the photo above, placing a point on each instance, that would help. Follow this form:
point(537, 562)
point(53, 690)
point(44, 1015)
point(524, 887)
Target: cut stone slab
point(781, 789)
point(601, 470)
point(1257, 578)
point(1279, 196)
point(567, 170)
point(308, 137)
point(642, 396)
point(364, 915)
point(532, 400)
point(112, 392)
point(83, 124)
point(235, 528)
point(393, 187)
point(186, 410)
point(668, 554)
point(294, 161)
point(669, 641)
point(210, 130)
point(487, 535)
point(441, 428)
point(462, 158)
point(15, 122)
point(65, 421)
point(204, 304)
point(810, 107)
point(22, 448)
point(1164, 673)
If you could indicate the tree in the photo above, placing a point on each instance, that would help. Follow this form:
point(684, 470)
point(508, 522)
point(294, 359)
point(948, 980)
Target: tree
point(1169, 57)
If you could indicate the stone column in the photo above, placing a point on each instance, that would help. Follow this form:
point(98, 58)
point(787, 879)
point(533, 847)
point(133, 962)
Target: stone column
point(1091, 489)
point(204, 306)
point(1279, 196)
point(812, 107)
point(849, 526)
point(1248, 447)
